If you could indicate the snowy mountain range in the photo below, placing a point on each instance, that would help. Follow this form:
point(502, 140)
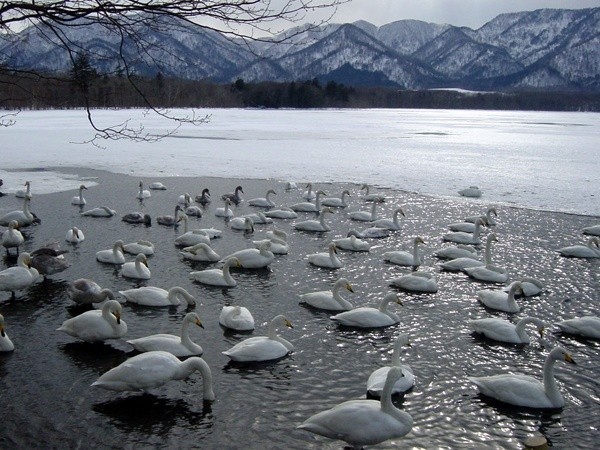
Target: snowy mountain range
point(542, 49)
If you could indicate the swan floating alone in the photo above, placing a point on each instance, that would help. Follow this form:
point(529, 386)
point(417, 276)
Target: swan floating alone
point(6, 344)
point(114, 256)
point(137, 269)
point(200, 252)
point(153, 369)
point(234, 197)
point(180, 346)
point(253, 258)
point(500, 300)
point(367, 317)
point(97, 325)
point(416, 282)
point(390, 224)
point(523, 390)
point(337, 202)
point(591, 250)
point(372, 233)
point(471, 191)
point(404, 258)
point(20, 276)
point(315, 225)
point(12, 237)
point(505, 331)
point(352, 243)
point(101, 211)
point(78, 199)
point(23, 217)
point(328, 260)
point(376, 381)
point(137, 247)
point(236, 318)
point(85, 292)
point(217, 277)
point(26, 192)
point(587, 326)
point(74, 235)
point(329, 300)
point(137, 217)
point(263, 348)
point(155, 296)
point(529, 286)
point(363, 422)
point(143, 193)
point(263, 202)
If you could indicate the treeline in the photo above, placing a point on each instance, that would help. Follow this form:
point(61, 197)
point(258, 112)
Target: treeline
point(84, 87)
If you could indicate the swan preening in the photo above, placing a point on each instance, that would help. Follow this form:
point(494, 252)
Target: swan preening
point(155, 296)
point(377, 379)
point(523, 390)
point(263, 348)
point(591, 250)
point(78, 199)
point(85, 292)
point(97, 325)
point(137, 217)
point(153, 369)
point(367, 317)
point(504, 331)
point(6, 344)
point(278, 239)
point(157, 186)
point(242, 223)
point(329, 300)
point(363, 422)
point(455, 252)
point(236, 318)
point(281, 213)
point(587, 326)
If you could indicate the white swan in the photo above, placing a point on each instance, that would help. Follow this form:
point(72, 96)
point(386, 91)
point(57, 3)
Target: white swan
point(471, 191)
point(487, 217)
point(529, 286)
point(12, 237)
point(74, 235)
point(204, 197)
point(101, 211)
point(352, 243)
point(460, 237)
point(234, 197)
point(404, 258)
point(390, 224)
point(363, 422)
point(157, 186)
point(26, 192)
point(593, 230)
point(500, 300)
point(23, 217)
point(113, 256)
point(263, 348)
point(155, 296)
point(364, 216)
point(591, 250)
point(97, 325)
point(200, 252)
point(460, 264)
point(488, 272)
point(278, 239)
point(416, 282)
point(308, 206)
point(328, 260)
point(289, 185)
point(337, 202)
point(458, 251)
point(263, 202)
point(367, 317)
point(180, 346)
point(6, 344)
point(309, 193)
point(137, 269)
point(523, 390)
point(315, 225)
point(137, 217)
point(217, 277)
point(143, 193)
point(242, 223)
point(169, 221)
point(236, 318)
point(505, 331)
point(137, 247)
point(376, 380)
point(253, 258)
point(212, 233)
point(85, 292)
point(184, 199)
point(190, 238)
point(20, 276)
point(225, 211)
point(259, 218)
point(153, 369)
point(193, 211)
point(372, 233)
point(282, 213)
point(465, 227)
point(329, 300)
point(371, 197)
point(78, 199)
point(586, 326)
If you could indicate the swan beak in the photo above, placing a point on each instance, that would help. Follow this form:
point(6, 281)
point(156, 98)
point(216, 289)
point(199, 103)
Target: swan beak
point(541, 331)
point(569, 359)
point(399, 301)
point(118, 316)
point(199, 323)
point(402, 212)
point(145, 261)
point(349, 287)
point(288, 324)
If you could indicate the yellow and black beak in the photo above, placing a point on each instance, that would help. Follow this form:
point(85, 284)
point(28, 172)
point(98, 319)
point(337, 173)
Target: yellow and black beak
point(288, 324)
point(199, 323)
point(569, 359)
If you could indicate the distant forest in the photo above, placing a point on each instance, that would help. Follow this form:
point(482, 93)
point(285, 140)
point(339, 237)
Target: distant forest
point(93, 90)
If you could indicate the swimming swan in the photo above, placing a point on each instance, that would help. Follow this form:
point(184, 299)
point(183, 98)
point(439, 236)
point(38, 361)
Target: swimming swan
point(137, 217)
point(85, 292)
point(20, 276)
point(591, 250)
point(505, 331)
point(404, 258)
point(363, 422)
point(364, 216)
point(157, 186)
point(460, 237)
point(500, 300)
point(101, 211)
point(97, 325)
point(236, 318)
point(23, 217)
point(352, 243)
point(329, 300)
point(200, 252)
point(309, 193)
point(253, 258)
point(282, 213)
point(74, 236)
point(169, 221)
point(153, 369)
point(337, 202)
point(137, 247)
point(180, 346)
point(78, 199)
point(455, 252)
point(328, 260)
point(264, 202)
point(523, 390)
point(460, 264)
point(242, 223)
point(367, 317)
point(114, 256)
point(308, 206)
point(529, 286)
point(371, 197)
point(376, 381)
point(190, 238)
point(263, 348)
point(6, 344)
point(234, 197)
point(217, 277)
point(155, 296)
point(390, 224)
point(225, 211)
point(587, 326)
point(137, 269)
point(416, 282)
point(315, 225)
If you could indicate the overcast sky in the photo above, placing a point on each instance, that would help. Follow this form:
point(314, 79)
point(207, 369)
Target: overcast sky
point(470, 13)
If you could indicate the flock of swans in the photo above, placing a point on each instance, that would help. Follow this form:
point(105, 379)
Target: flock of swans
point(357, 422)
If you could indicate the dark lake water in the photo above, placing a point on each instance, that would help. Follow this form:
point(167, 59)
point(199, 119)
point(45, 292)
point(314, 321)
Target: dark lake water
point(45, 394)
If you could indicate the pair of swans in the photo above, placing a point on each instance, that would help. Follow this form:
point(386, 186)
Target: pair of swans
point(404, 258)
point(526, 391)
point(78, 199)
point(586, 326)
point(97, 325)
point(308, 206)
point(368, 317)
point(504, 331)
point(253, 258)
point(352, 243)
point(377, 379)
point(263, 202)
point(23, 217)
point(416, 282)
point(236, 318)
point(74, 236)
point(6, 344)
point(137, 269)
point(309, 194)
point(263, 348)
point(154, 369)
point(101, 211)
point(590, 250)
point(217, 277)
point(155, 296)
point(20, 276)
point(328, 260)
point(180, 346)
point(315, 225)
point(200, 252)
point(501, 300)
point(329, 300)
point(12, 237)
point(468, 226)
point(84, 291)
point(259, 218)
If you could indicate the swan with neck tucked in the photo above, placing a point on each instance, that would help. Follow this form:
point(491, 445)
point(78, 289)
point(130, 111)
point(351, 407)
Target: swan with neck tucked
point(85, 292)
point(460, 237)
point(12, 237)
point(23, 217)
point(180, 346)
point(217, 277)
point(337, 202)
point(591, 250)
point(363, 422)
point(315, 225)
point(460, 264)
point(20, 276)
point(263, 202)
point(352, 243)
point(253, 258)
point(155, 296)
point(259, 218)
point(137, 247)
point(137, 269)
point(78, 199)
point(404, 258)
point(364, 216)
point(500, 300)
point(329, 300)
point(236, 318)
point(523, 390)
point(471, 191)
point(137, 217)
point(200, 252)
point(101, 211)
point(157, 186)
point(263, 348)
point(416, 282)
point(368, 317)
point(6, 344)
point(308, 206)
point(97, 325)
point(505, 331)
point(74, 235)
point(586, 326)
point(113, 256)
point(391, 224)
point(26, 192)
point(376, 380)
point(153, 369)
point(328, 259)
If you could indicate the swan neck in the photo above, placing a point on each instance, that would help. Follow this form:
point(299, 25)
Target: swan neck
point(338, 297)
point(373, 211)
point(190, 365)
point(416, 253)
point(488, 252)
point(226, 274)
point(549, 382)
point(396, 353)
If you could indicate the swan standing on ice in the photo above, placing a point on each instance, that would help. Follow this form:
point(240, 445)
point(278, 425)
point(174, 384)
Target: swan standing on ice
point(329, 300)
point(591, 250)
point(364, 216)
point(367, 317)
point(153, 369)
point(114, 256)
point(352, 243)
point(327, 260)
point(97, 325)
point(141, 246)
point(78, 199)
point(416, 282)
point(390, 224)
point(587, 326)
point(523, 390)
point(180, 346)
point(200, 252)
point(315, 225)
point(336, 202)
point(404, 258)
point(101, 211)
point(84, 291)
point(263, 348)
point(236, 318)
point(169, 221)
point(263, 202)
point(23, 217)
point(6, 344)
point(371, 197)
point(308, 206)
point(24, 193)
point(253, 258)
point(234, 197)
point(376, 381)
point(217, 277)
point(500, 300)
point(12, 237)
point(460, 237)
point(137, 269)
point(155, 296)
point(74, 236)
point(505, 331)
point(20, 276)
point(363, 422)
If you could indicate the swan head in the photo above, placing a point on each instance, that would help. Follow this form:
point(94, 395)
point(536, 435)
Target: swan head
point(114, 307)
point(271, 191)
point(13, 224)
point(559, 353)
point(419, 240)
point(327, 209)
point(346, 284)
point(82, 187)
point(332, 248)
point(206, 192)
point(320, 192)
point(193, 318)
point(142, 259)
point(2, 333)
point(182, 218)
point(239, 189)
point(492, 237)
point(393, 297)
point(401, 212)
